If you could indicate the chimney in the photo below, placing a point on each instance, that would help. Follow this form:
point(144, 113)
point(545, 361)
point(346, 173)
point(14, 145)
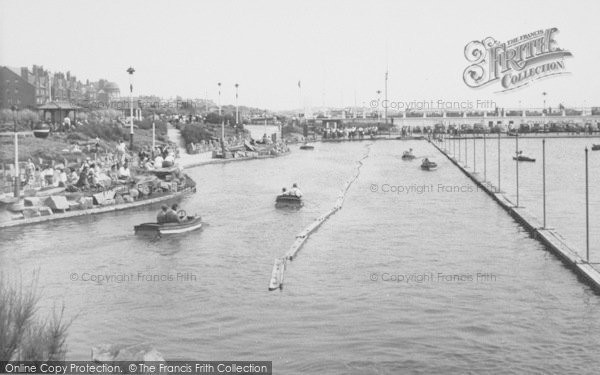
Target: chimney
point(25, 73)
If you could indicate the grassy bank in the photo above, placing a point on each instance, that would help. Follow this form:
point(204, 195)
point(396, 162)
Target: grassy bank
point(58, 146)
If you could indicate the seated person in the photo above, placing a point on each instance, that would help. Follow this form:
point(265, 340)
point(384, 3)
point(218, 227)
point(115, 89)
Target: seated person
point(158, 161)
point(295, 191)
point(284, 191)
point(161, 217)
point(62, 178)
point(124, 172)
point(83, 181)
point(171, 214)
point(73, 176)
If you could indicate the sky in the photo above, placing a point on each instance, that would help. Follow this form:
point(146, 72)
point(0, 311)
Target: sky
point(339, 50)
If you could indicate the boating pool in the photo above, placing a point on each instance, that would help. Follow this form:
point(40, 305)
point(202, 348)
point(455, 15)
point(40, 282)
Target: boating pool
point(407, 277)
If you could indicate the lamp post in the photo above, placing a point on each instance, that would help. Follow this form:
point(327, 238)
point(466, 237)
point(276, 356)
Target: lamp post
point(17, 179)
point(219, 84)
point(544, 109)
point(237, 118)
point(130, 70)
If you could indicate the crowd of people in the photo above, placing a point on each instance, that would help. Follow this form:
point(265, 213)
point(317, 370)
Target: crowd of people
point(101, 171)
point(350, 133)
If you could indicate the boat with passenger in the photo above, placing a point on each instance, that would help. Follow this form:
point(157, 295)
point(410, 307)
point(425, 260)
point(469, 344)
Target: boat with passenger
point(428, 165)
point(291, 198)
point(408, 155)
point(522, 157)
point(170, 223)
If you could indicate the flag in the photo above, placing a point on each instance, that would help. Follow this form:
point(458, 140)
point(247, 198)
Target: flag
point(299, 85)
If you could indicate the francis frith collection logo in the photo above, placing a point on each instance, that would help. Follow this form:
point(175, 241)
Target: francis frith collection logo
point(515, 63)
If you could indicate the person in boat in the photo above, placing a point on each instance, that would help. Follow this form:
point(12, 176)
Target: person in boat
point(284, 191)
point(295, 191)
point(426, 161)
point(161, 217)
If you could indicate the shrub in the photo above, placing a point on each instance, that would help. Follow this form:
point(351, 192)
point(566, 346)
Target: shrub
point(23, 336)
point(193, 133)
point(103, 131)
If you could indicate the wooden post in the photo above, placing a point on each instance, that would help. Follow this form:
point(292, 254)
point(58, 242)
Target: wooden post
point(498, 161)
point(466, 151)
point(484, 159)
point(587, 210)
point(544, 177)
point(474, 156)
point(517, 164)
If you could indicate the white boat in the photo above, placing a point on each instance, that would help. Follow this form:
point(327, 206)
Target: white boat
point(190, 224)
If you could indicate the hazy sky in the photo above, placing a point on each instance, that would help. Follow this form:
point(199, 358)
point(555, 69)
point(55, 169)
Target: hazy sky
point(338, 49)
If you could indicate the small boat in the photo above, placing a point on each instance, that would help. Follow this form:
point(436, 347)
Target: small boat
point(190, 224)
point(407, 155)
point(285, 200)
point(521, 157)
point(595, 147)
point(428, 165)
point(306, 146)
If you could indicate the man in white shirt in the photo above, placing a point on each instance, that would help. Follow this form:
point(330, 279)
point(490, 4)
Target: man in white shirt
point(158, 161)
point(295, 191)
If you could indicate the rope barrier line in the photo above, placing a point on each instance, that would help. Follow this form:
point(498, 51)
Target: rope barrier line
point(280, 264)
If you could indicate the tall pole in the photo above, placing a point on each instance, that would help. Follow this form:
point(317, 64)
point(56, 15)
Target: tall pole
point(459, 146)
point(587, 211)
point(517, 164)
point(543, 109)
point(386, 98)
point(378, 110)
point(237, 118)
point(544, 178)
point(153, 137)
point(498, 161)
point(219, 84)
point(484, 158)
point(17, 178)
point(466, 151)
point(474, 155)
point(130, 70)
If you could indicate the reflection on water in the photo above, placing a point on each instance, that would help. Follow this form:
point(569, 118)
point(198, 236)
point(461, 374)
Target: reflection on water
point(333, 315)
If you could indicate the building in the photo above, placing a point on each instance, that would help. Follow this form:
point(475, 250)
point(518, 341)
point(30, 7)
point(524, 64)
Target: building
point(60, 87)
point(41, 80)
point(16, 90)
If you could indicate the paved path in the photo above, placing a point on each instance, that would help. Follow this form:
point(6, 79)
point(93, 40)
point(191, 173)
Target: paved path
point(186, 160)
